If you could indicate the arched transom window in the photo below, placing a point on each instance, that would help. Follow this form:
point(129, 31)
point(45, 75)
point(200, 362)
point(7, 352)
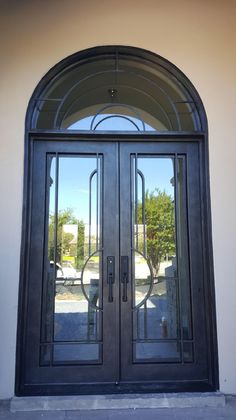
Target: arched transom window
point(116, 89)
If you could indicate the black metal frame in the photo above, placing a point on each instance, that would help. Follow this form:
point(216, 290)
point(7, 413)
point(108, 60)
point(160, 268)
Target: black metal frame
point(200, 137)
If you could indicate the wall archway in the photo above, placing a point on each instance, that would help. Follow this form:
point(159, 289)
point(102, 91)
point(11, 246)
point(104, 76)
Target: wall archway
point(127, 129)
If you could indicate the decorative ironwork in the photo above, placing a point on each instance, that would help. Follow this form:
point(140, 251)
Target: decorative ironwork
point(115, 105)
point(144, 86)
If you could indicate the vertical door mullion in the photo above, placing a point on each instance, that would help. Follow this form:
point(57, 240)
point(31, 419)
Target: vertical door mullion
point(111, 249)
point(126, 241)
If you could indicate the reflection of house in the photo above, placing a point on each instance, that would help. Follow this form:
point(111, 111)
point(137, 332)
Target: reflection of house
point(69, 241)
point(140, 237)
point(167, 268)
point(90, 238)
point(73, 230)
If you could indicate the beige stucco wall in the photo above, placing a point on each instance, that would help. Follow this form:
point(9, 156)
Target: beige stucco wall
point(199, 37)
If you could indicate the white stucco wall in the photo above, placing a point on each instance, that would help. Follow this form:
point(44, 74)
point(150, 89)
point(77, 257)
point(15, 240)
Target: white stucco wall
point(198, 37)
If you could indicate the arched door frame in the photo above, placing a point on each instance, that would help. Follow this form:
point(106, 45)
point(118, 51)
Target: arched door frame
point(200, 136)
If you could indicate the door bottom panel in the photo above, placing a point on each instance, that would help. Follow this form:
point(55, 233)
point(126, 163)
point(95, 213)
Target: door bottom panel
point(111, 388)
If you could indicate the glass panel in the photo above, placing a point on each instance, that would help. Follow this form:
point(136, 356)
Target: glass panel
point(143, 278)
point(162, 305)
point(166, 351)
point(90, 279)
point(75, 352)
point(74, 269)
point(69, 352)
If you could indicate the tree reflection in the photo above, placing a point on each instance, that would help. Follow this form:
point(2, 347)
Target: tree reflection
point(159, 229)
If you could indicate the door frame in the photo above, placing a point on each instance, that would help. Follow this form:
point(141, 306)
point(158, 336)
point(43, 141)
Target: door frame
point(209, 292)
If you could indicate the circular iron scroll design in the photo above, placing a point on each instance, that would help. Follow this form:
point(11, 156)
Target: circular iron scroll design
point(97, 307)
point(137, 115)
point(148, 294)
point(108, 117)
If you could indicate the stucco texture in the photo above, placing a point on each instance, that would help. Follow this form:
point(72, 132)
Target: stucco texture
point(199, 38)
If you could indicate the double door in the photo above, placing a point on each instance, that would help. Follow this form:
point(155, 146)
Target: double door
point(115, 299)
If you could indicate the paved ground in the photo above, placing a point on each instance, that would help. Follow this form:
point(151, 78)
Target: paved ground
point(228, 412)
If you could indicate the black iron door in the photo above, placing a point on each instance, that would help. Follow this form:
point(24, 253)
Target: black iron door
point(115, 292)
point(72, 309)
point(162, 287)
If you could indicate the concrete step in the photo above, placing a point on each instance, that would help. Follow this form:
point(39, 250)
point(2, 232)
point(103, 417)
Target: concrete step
point(124, 401)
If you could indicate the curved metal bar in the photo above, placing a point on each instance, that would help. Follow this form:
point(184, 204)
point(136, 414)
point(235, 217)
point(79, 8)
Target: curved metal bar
point(154, 100)
point(114, 71)
point(129, 87)
point(120, 71)
point(167, 96)
point(114, 105)
point(136, 201)
point(90, 206)
point(116, 116)
point(82, 283)
point(97, 192)
point(143, 210)
point(74, 87)
point(151, 284)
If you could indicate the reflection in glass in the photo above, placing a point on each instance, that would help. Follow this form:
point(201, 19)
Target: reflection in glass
point(74, 267)
point(168, 351)
point(75, 352)
point(143, 278)
point(162, 314)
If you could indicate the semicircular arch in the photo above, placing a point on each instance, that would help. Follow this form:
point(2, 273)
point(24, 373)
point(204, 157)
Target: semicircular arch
point(130, 81)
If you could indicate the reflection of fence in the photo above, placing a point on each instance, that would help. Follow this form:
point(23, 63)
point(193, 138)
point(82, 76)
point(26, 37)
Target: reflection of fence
point(76, 311)
point(156, 319)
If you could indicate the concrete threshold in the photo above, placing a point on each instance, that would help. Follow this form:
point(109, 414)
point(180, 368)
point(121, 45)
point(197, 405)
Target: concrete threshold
point(124, 401)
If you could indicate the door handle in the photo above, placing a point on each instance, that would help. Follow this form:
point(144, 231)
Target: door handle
point(124, 276)
point(110, 277)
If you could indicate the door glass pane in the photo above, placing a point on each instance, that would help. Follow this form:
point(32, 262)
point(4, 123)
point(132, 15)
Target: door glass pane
point(73, 260)
point(161, 314)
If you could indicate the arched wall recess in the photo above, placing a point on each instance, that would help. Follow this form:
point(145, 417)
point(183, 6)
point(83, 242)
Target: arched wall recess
point(117, 290)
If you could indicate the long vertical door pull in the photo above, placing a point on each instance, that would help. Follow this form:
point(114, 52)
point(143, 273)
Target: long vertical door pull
point(124, 276)
point(110, 276)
